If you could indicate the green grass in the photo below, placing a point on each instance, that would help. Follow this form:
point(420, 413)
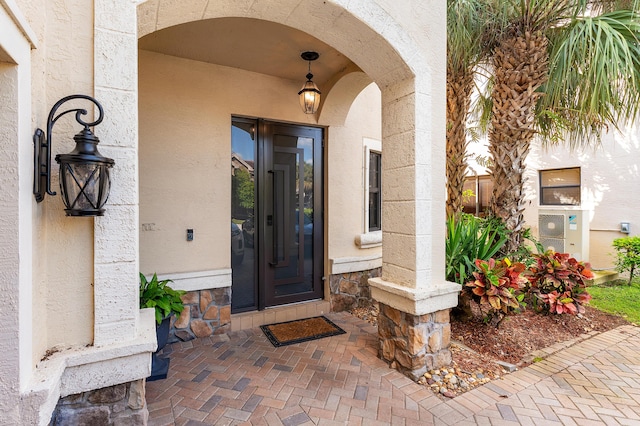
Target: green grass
point(616, 297)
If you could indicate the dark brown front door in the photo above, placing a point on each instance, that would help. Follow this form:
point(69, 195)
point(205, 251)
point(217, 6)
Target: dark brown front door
point(283, 229)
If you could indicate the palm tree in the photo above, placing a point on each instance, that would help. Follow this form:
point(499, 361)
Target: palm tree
point(562, 69)
point(466, 48)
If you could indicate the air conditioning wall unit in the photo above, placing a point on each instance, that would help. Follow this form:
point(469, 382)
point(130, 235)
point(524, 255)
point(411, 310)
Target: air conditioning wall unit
point(565, 231)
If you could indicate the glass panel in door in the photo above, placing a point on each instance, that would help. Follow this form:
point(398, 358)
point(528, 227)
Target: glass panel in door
point(243, 213)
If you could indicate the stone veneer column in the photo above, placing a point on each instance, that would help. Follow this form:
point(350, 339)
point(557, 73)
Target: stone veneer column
point(414, 297)
point(414, 344)
point(123, 404)
point(206, 312)
point(351, 289)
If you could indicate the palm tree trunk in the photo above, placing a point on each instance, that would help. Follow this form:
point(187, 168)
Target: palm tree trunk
point(458, 101)
point(521, 66)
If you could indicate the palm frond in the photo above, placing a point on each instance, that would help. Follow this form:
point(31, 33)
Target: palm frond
point(467, 21)
point(594, 76)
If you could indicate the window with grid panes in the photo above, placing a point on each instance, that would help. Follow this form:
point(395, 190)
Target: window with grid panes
point(560, 187)
point(375, 191)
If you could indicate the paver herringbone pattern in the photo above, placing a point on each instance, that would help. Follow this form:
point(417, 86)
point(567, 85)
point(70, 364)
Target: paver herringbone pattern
point(242, 379)
point(596, 382)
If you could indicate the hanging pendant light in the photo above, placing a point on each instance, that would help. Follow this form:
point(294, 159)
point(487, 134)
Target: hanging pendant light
point(310, 94)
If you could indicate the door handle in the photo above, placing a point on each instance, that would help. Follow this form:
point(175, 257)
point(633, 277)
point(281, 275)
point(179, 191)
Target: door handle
point(272, 220)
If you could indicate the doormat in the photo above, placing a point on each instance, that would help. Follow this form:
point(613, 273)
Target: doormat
point(290, 332)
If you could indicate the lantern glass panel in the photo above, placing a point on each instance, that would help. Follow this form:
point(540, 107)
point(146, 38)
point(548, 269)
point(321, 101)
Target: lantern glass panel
point(309, 97)
point(84, 186)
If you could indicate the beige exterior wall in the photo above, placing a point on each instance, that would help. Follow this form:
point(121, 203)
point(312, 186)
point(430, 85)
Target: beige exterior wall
point(185, 151)
point(60, 243)
point(67, 240)
point(346, 177)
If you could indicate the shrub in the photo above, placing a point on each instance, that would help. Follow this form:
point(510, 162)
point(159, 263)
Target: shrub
point(558, 281)
point(627, 255)
point(498, 286)
point(468, 239)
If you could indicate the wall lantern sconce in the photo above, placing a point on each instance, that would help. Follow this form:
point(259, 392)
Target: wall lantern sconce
point(84, 173)
point(310, 94)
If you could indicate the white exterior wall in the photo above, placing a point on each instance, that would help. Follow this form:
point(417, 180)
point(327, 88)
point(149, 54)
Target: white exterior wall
point(610, 179)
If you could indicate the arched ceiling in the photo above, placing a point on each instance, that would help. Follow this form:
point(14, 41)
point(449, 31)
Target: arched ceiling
point(250, 44)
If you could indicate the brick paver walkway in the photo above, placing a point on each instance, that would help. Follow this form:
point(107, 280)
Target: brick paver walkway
point(242, 379)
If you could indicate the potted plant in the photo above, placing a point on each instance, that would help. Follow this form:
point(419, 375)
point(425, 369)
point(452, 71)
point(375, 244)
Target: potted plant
point(166, 301)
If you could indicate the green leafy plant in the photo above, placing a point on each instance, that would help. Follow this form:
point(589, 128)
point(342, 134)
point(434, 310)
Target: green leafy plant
point(627, 255)
point(558, 281)
point(467, 195)
point(524, 252)
point(499, 287)
point(157, 294)
point(468, 239)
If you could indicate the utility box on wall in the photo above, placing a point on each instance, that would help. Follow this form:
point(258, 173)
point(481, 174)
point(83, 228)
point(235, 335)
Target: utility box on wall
point(565, 231)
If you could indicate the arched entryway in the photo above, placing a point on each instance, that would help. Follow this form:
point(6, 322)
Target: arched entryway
point(400, 55)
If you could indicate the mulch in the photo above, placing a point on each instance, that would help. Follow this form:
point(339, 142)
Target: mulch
point(478, 347)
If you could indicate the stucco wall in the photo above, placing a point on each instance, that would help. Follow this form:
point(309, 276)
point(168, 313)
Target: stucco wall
point(9, 245)
point(185, 155)
point(346, 192)
point(610, 178)
point(185, 133)
point(33, 12)
point(69, 271)
point(62, 64)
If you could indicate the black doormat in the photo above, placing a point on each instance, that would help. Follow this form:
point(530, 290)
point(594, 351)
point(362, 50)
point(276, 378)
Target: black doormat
point(290, 332)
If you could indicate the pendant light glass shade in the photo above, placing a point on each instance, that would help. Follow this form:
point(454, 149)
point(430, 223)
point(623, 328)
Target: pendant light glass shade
point(309, 94)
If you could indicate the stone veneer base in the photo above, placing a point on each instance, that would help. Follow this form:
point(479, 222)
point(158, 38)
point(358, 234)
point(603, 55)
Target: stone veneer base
point(122, 404)
point(351, 289)
point(206, 312)
point(414, 344)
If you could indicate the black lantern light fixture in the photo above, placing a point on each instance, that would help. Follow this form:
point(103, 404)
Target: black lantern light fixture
point(84, 173)
point(310, 94)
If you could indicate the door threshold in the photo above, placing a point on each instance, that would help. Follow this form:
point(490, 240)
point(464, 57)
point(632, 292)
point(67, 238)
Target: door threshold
point(295, 311)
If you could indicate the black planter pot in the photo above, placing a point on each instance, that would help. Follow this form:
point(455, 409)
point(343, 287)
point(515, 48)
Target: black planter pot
point(159, 365)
